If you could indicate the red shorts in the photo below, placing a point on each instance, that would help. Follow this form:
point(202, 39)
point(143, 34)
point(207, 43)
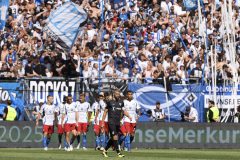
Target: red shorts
point(60, 129)
point(49, 129)
point(129, 127)
point(96, 129)
point(106, 130)
point(123, 129)
point(82, 127)
point(68, 127)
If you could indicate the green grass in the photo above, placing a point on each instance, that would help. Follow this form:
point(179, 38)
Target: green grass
point(151, 154)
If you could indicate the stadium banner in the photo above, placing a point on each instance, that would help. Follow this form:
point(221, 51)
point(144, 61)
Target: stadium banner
point(117, 4)
point(39, 89)
point(190, 4)
point(12, 90)
point(173, 102)
point(148, 135)
point(225, 100)
point(64, 24)
point(4, 4)
point(106, 86)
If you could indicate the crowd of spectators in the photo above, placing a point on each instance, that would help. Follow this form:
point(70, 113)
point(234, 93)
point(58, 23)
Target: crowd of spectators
point(143, 41)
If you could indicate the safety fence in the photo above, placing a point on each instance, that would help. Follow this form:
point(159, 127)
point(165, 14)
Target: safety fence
point(174, 98)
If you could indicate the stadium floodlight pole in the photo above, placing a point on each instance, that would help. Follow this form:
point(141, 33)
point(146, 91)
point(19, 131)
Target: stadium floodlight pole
point(166, 96)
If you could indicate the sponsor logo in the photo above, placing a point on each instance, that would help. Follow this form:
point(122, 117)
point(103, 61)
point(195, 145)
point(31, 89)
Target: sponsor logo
point(58, 89)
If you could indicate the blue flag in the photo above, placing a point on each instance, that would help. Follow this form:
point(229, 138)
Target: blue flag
point(190, 4)
point(4, 4)
point(63, 24)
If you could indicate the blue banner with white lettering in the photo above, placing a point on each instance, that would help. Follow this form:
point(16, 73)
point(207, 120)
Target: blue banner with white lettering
point(64, 24)
point(173, 102)
point(190, 4)
point(116, 4)
point(225, 99)
point(12, 91)
point(4, 4)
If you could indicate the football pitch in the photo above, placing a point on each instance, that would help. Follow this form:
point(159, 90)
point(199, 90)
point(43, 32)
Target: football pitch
point(142, 154)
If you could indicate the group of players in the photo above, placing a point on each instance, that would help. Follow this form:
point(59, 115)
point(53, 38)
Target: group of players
point(115, 119)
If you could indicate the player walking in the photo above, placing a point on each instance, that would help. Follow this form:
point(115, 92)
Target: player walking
point(84, 114)
point(48, 114)
point(103, 122)
point(70, 117)
point(96, 128)
point(131, 113)
point(114, 111)
point(60, 111)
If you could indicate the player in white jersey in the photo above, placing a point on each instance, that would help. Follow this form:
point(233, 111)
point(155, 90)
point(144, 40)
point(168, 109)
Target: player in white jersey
point(48, 114)
point(104, 130)
point(60, 111)
point(131, 113)
point(70, 117)
point(84, 114)
point(96, 128)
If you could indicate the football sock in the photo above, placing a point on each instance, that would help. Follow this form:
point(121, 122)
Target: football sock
point(84, 140)
point(97, 141)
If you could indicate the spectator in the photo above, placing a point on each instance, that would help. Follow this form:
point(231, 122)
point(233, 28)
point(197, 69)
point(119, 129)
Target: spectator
point(158, 31)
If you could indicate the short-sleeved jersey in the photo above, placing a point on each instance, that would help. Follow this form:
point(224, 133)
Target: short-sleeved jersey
point(83, 109)
point(102, 106)
point(70, 113)
point(115, 109)
point(60, 111)
point(48, 113)
point(131, 107)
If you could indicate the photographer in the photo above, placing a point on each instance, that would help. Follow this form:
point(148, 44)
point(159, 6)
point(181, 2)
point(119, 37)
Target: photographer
point(190, 115)
point(158, 113)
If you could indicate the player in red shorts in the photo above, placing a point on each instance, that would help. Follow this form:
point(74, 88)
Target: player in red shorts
point(96, 128)
point(131, 113)
point(103, 124)
point(70, 117)
point(48, 113)
point(84, 114)
point(60, 111)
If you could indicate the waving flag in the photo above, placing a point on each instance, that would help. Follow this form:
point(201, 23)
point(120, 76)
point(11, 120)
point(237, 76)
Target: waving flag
point(190, 4)
point(4, 4)
point(64, 23)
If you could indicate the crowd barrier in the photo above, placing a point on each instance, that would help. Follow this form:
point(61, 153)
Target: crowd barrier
point(27, 93)
point(148, 135)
